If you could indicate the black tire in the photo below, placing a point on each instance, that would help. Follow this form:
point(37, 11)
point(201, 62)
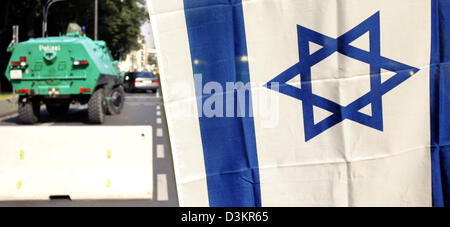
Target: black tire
point(116, 102)
point(97, 107)
point(29, 111)
point(57, 109)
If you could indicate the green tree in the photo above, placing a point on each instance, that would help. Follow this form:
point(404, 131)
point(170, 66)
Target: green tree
point(119, 23)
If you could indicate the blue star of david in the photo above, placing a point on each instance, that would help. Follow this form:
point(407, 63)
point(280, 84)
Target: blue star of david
point(341, 45)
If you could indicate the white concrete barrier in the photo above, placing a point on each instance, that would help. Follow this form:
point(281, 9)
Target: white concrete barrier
point(85, 163)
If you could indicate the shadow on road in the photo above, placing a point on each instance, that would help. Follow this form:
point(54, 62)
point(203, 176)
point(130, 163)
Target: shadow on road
point(73, 116)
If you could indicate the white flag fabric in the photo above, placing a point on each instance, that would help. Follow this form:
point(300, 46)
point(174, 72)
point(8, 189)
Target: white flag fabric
point(306, 102)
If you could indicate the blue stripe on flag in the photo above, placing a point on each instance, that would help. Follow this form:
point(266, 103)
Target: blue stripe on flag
point(440, 102)
point(434, 103)
point(217, 44)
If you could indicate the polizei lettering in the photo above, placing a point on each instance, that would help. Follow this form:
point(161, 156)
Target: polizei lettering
point(49, 48)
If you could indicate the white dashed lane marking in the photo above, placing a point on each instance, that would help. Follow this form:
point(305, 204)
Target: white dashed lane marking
point(160, 151)
point(162, 193)
point(158, 113)
point(159, 132)
point(138, 104)
point(139, 97)
point(158, 120)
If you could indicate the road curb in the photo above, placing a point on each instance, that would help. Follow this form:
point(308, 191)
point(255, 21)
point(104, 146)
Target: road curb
point(12, 103)
point(11, 111)
point(7, 114)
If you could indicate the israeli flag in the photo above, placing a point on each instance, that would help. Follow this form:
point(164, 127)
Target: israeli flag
point(307, 102)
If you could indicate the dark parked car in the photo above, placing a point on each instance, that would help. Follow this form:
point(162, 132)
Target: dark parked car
point(140, 81)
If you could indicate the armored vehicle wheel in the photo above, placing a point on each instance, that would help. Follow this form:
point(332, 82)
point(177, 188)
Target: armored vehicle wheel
point(57, 109)
point(97, 107)
point(29, 111)
point(115, 104)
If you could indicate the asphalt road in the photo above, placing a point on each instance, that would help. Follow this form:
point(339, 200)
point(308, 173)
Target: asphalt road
point(140, 109)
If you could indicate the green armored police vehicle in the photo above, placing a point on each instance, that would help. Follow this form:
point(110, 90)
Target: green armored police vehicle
point(58, 71)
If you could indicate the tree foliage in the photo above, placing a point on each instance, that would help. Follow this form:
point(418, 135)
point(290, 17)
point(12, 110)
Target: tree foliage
point(119, 23)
